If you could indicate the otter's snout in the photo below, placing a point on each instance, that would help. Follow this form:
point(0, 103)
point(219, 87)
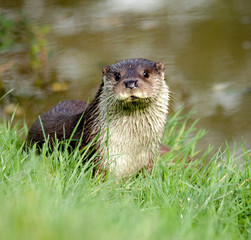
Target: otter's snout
point(131, 84)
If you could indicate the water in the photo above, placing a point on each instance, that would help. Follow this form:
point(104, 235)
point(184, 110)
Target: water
point(205, 46)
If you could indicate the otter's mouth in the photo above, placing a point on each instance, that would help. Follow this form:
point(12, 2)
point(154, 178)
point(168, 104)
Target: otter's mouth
point(133, 98)
point(130, 98)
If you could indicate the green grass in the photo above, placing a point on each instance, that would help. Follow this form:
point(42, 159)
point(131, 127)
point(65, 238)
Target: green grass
point(54, 196)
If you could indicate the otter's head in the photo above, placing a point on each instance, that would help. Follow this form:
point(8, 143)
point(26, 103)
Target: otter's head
point(134, 82)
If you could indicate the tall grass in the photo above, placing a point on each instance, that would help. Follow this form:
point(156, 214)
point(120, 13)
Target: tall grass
point(55, 196)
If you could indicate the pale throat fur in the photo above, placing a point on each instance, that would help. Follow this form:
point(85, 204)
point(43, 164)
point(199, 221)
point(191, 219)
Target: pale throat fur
point(131, 119)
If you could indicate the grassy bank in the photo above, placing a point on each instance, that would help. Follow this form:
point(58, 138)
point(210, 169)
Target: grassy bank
point(51, 197)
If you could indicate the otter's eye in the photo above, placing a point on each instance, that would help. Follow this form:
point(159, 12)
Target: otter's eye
point(117, 76)
point(146, 74)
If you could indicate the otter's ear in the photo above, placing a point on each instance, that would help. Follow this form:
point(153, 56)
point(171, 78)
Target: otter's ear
point(160, 66)
point(105, 70)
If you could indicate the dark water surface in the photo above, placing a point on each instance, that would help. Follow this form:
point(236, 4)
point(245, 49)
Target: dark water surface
point(205, 46)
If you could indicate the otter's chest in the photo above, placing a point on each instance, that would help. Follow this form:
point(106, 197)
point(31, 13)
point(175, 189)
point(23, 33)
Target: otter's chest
point(130, 144)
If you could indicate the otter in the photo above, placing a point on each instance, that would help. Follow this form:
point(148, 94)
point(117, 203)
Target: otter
point(126, 118)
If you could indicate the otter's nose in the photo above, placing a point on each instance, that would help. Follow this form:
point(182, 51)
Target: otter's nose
point(131, 84)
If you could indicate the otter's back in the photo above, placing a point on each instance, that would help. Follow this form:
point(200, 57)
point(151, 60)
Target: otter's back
point(60, 121)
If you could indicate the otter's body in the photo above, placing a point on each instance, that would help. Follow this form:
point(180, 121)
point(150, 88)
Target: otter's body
point(128, 114)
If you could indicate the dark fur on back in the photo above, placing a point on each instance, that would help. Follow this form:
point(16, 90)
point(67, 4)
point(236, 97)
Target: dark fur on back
point(60, 121)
